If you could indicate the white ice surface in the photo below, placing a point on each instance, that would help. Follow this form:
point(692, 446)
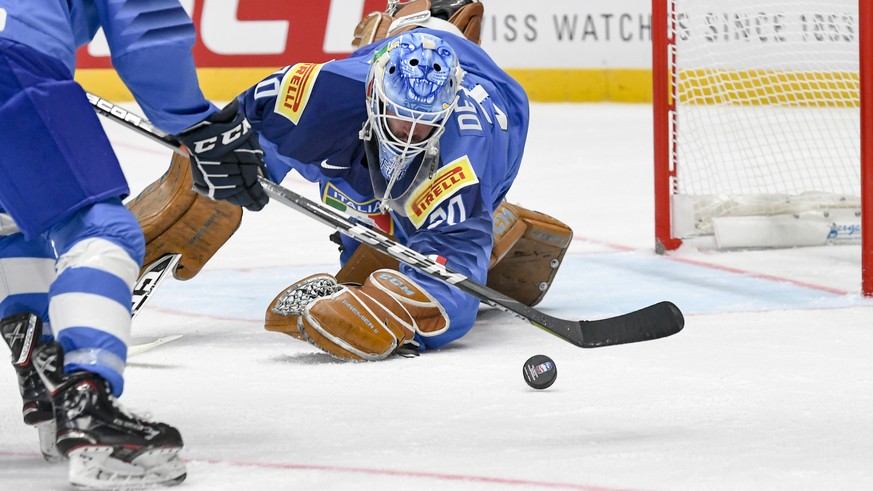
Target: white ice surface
point(769, 386)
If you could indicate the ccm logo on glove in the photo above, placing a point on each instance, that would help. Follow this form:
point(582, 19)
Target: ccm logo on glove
point(226, 158)
point(396, 282)
point(227, 137)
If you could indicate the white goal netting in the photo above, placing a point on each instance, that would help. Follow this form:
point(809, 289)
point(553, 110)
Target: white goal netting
point(767, 117)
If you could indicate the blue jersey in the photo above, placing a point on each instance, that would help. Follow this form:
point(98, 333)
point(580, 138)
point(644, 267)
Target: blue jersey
point(67, 154)
point(309, 117)
point(148, 39)
point(60, 181)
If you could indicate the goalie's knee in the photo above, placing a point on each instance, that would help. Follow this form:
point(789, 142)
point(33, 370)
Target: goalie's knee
point(528, 249)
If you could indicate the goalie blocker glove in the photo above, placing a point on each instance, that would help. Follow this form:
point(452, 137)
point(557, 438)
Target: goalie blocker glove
point(226, 158)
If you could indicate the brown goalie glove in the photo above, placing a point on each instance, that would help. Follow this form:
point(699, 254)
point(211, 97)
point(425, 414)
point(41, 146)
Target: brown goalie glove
point(461, 17)
point(177, 219)
point(362, 323)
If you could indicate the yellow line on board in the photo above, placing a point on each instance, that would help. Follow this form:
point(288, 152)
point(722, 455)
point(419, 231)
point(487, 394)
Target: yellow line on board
point(542, 85)
point(698, 86)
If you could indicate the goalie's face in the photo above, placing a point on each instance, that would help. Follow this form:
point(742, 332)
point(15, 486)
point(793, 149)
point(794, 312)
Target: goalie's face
point(405, 131)
point(412, 90)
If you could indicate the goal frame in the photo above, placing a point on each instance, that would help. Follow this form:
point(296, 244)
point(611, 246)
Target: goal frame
point(663, 103)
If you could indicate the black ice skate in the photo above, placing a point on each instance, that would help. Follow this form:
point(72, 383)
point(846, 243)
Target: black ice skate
point(107, 447)
point(22, 333)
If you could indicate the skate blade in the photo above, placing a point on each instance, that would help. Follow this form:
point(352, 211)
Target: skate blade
point(47, 441)
point(94, 467)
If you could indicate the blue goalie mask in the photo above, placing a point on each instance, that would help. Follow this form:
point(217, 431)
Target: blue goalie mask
point(412, 88)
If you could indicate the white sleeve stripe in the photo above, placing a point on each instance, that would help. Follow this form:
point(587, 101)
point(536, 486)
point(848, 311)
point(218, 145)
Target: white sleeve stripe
point(103, 255)
point(22, 275)
point(89, 310)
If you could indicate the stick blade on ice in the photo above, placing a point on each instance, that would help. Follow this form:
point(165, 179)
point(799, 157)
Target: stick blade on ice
point(653, 322)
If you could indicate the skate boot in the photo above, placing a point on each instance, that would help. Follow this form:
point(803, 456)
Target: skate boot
point(22, 333)
point(108, 448)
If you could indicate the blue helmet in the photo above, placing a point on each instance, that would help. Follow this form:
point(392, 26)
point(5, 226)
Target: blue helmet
point(412, 88)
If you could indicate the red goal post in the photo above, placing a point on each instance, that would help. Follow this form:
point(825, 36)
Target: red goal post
point(762, 131)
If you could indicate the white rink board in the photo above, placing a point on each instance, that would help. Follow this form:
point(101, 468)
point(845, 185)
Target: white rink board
point(569, 33)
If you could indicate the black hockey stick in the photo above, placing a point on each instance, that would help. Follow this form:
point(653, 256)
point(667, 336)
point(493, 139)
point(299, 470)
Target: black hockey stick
point(152, 276)
point(655, 321)
point(154, 273)
point(134, 122)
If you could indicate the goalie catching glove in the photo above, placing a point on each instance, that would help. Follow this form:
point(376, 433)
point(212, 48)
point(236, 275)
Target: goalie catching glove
point(365, 322)
point(461, 17)
point(226, 158)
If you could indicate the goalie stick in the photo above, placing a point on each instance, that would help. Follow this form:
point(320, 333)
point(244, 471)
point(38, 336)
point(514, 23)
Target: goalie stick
point(140, 348)
point(152, 276)
point(655, 321)
point(652, 322)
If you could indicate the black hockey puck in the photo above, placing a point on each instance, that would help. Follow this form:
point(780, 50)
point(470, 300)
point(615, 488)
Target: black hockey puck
point(539, 372)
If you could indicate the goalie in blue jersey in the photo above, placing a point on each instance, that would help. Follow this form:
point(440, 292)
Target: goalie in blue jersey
point(421, 135)
point(69, 250)
point(418, 133)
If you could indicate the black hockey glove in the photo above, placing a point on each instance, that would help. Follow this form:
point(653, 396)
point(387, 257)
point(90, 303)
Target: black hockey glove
point(226, 158)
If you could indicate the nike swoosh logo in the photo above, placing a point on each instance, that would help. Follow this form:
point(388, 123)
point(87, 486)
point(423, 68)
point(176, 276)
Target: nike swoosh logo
point(325, 165)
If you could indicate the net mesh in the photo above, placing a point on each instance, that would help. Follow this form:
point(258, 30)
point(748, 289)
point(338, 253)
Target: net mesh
point(767, 117)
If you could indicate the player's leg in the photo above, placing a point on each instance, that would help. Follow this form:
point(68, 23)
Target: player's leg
point(100, 250)
point(27, 269)
point(62, 181)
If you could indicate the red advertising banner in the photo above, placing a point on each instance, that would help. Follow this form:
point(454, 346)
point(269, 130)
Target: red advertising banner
point(560, 50)
point(262, 33)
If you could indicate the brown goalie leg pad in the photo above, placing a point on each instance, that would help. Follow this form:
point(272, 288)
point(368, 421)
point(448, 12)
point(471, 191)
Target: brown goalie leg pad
point(528, 249)
point(392, 288)
point(176, 219)
point(372, 28)
point(469, 20)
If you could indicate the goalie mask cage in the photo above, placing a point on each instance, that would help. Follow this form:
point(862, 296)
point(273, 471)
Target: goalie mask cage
point(762, 124)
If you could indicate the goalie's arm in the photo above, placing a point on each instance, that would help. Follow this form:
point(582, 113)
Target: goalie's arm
point(145, 47)
point(295, 137)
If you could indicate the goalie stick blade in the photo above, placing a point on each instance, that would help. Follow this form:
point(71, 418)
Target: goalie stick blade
point(138, 349)
point(153, 275)
point(655, 321)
